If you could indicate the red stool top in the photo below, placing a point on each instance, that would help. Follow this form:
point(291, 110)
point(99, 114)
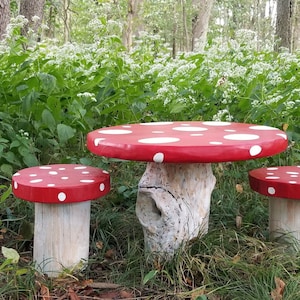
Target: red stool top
point(282, 182)
point(61, 183)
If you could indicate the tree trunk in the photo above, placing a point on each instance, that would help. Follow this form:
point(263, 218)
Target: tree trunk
point(67, 21)
point(30, 9)
point(4, 16)
point(128, 28)
point(296, 26)
point(284, 24)
point(200, 23)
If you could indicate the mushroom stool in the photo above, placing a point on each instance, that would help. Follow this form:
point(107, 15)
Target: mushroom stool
point(62, 195)
point(282, 185)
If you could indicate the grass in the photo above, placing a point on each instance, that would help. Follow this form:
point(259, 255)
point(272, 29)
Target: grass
point(235, 260)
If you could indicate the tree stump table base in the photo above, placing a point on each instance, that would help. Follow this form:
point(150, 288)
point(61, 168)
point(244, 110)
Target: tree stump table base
point(173, 205)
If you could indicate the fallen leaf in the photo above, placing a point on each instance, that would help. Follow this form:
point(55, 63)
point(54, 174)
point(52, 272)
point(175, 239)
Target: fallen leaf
point(44, 293)
point(99, 245)
point(239, 188)
point(110, 254)
point(73, 295)
point(277, 293)
point(126, 295)
point(285, 126)
point(236, 259)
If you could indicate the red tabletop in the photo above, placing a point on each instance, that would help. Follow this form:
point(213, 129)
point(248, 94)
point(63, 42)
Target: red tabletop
point(61, 183)
point(283, 182)
point(187, 142)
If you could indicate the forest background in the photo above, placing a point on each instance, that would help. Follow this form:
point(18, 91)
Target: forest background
point(68, 67)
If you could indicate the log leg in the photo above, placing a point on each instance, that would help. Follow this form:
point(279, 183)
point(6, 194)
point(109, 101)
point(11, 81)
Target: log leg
point(284, 217)
point(61, 236)
point(173, 205)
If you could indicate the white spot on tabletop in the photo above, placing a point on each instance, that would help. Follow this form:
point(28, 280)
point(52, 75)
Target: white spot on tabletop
point(191, 128)
point(212, 123)
point(115, 131)
point(241, 137)
point(159, 140)
point(282, 135)
point(156, 123)
point(216, 143)
point(262, 127)
point(255, 150)
point(158, 157)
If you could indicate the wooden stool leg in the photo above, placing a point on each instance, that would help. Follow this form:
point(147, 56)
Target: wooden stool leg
point(61, 236)
point(284, 217)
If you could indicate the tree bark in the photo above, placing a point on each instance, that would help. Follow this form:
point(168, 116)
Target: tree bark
point(4, 16)
point(29, 9)
point(200, 23)
point(284, 24)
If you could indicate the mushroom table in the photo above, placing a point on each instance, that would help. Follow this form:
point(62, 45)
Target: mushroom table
point(62, 194)
point(173, 201)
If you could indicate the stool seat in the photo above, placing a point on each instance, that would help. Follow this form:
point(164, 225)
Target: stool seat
point(61, 194)
point(61, 183)
point(282, 185)
point(283, 182)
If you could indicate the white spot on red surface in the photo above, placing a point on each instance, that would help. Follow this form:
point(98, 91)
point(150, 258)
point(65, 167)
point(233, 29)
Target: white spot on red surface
point(241, 137)
point(191, 128)
point(62, 196)
point(255, 150)
point(271, 190)
point(159, 140)
point(158, 157)
point(115, 131)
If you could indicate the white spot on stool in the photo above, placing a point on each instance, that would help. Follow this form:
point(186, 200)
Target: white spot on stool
point(87, 180)
point(15, 185)
point(36, 180)
point(80, 168)
point(102, 187)
point(50, 184)
point(52, 173)
point(61, 196)
point(32, 175)
point(158, 157)
point(98, 140)
point(64, 178)
point(271, 190)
